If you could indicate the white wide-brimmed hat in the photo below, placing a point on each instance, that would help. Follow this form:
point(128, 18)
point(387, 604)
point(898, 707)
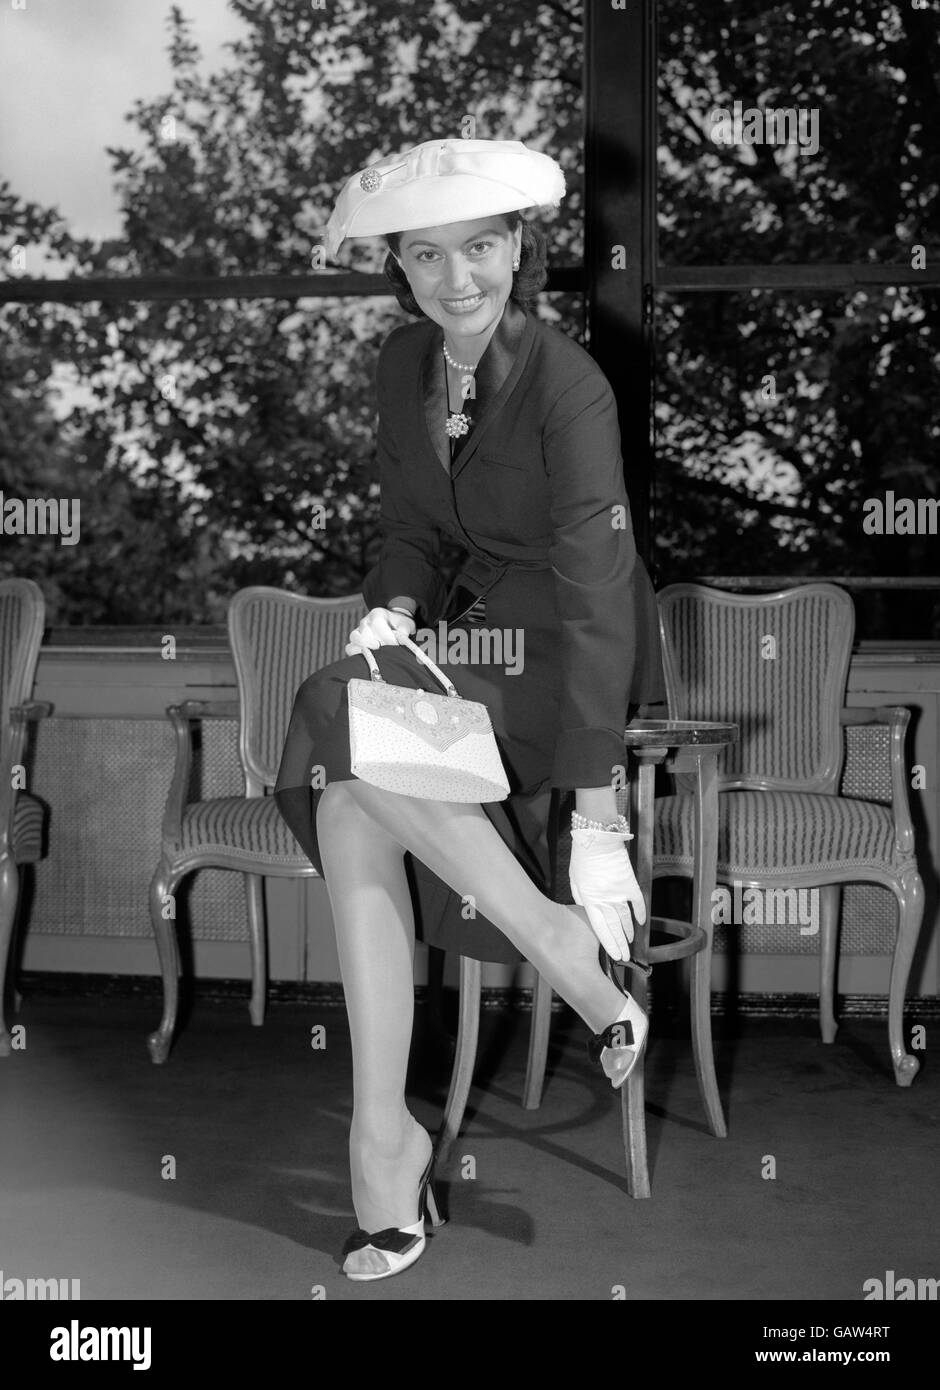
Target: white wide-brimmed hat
point(443, 181)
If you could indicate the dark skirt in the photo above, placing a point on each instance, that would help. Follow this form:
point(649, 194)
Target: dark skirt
point(524, 710)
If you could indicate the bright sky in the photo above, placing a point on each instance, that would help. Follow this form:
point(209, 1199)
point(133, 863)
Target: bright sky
point(69, 71)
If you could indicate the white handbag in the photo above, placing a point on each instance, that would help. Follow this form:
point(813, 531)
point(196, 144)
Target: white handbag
point(419, 743)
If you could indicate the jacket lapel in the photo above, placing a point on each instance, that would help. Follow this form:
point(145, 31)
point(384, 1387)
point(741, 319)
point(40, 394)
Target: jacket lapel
point(434, 392)
point(496, 375)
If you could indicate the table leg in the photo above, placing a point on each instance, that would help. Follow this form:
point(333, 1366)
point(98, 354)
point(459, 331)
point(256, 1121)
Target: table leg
point(468, 1029)
point(703, 884)
point(633, 1094)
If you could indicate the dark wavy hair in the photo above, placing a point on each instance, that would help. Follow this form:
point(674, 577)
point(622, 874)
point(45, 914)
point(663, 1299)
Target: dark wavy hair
point(527, 281)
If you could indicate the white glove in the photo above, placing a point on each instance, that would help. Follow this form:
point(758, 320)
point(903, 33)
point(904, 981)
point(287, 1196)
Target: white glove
point(381, 627)
point(604, 884)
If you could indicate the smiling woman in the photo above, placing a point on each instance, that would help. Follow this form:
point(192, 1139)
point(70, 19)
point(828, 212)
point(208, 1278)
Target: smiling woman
point(528, 479)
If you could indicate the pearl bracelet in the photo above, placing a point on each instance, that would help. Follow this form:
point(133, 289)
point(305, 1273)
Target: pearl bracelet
point(579, 822)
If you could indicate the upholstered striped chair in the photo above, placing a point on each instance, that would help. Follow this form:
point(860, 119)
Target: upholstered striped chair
point(812, 795)
point(22, 817)
point(277, 640)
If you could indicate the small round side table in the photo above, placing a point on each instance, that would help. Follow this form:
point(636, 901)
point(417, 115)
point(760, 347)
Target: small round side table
point(694, 746)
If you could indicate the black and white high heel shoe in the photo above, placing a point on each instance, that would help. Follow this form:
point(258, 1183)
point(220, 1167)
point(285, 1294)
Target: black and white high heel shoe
point(621, 1045)
point(400, 1246)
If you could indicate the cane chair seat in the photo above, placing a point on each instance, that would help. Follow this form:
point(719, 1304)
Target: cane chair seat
point(789, 834)
point(253, 824)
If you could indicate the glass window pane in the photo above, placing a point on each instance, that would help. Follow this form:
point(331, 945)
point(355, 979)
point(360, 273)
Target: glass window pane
point(798, 435)
point(797, 134)
point(211, 444)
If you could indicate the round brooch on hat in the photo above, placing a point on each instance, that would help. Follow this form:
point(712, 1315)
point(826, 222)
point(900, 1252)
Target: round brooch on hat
point(370, 180)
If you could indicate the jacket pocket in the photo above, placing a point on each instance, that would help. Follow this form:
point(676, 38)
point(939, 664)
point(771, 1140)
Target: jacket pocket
point(502, 460)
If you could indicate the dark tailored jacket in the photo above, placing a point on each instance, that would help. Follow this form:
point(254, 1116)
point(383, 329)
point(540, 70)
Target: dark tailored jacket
point(537, 483)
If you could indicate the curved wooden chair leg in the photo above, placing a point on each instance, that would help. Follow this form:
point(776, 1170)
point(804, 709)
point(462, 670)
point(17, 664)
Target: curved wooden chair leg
point(830, 902)
point(461, 1079)
point(164, 929)
point(702, 1048)
point(910, 915)
point(9, 894)
point(539, 1030)
point(257, 931)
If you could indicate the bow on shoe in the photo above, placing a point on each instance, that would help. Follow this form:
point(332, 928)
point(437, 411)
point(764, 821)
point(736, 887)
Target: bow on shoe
point(618, 1034)
point(391, 1241)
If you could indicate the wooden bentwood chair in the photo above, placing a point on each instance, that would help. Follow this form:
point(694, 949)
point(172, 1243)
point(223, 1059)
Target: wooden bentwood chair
point(22, 817)
point(812, 795)
point(277, 640)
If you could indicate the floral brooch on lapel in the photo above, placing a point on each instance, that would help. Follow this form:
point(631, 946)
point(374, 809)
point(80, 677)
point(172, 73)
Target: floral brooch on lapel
point(457, 425)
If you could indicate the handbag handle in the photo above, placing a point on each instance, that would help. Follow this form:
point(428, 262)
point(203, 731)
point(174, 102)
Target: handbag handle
point(422, 657)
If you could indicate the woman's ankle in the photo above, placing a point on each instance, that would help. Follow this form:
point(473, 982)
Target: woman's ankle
point(574, 971)
point(383, 1133)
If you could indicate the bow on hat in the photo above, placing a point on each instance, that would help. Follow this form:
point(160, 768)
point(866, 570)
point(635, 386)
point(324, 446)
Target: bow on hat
point(443, 181)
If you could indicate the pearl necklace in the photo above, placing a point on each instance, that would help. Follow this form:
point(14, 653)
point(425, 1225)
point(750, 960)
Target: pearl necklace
point(458, 423)
point(459, 366)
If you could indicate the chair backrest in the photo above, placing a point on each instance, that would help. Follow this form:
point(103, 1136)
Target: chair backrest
point(277, 640)
point(774, 664)
point(22, 617)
